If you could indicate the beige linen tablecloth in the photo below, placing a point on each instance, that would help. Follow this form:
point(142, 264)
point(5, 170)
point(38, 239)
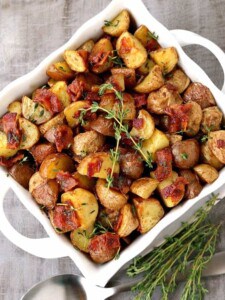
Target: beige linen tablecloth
point(29, 31)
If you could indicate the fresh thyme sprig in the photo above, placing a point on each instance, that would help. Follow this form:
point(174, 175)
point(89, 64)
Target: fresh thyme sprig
point(193, 242)
point(116, 59)
point(153, 35)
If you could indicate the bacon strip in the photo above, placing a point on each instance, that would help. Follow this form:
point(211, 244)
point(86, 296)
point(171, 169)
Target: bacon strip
point(66, 181)
point(8, 163)
point(94, 167)
point(140, 100)
point(178, 114)
point(164, 164)
point(176, 189)
point(11, 128)
point(138, 123)
point(63, 137)
point(49, 100)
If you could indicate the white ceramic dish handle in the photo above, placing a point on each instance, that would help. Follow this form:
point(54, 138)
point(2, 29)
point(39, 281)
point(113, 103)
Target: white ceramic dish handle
point(186, 38)
point(42, 247)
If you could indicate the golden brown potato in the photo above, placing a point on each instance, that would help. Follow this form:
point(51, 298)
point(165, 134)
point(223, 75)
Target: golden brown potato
point(15, 107)
point(110, 198)
point(22, 172)
point(156, 142)
point(131, 164)
point(166, 58)
point(30, 134)
point(186, 153)
point(146, 67)
point(84, 182)
point(194, 187)
point(77, 60)
point(206, 173)
point(208, 157)
point(117, 80)
point(173, 138)
point(153, 81)
point(54, 163)
point(57, 120)
point(72, 112)
point(211, 119)
point(194, 119)
point(60, 90)
point(199, 93)
point(98, 58)
point(142, 34)
point(85, 204)
point(87, 142)
point(149, 213)
point(103, 126)
point(97, 165)
point(34, 112)
point(179, 79)
point(131, 50)
point(129, 76)
point(40, 151)
point(4, 151)
point(217, 144)
point(127, 221)
point(144, 187)
point(87, 46)
point(118, 25)
point(159, 100)
point(80, 238)
point(145, 129)
point(60, 71)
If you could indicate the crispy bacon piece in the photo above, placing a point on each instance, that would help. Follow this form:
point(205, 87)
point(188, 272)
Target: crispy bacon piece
point(92, 96)
point(49, 100)
point(221, 143)
point(176, 189)
point(178, 117)
point(140, 100)
point(152, 45)
point(104, 247)
point(126, 46)
point(8, 163)
point(11, 128)
point(94, 167)
point(65, 218)
point(99, 59)
point(138, 123)
point(164, 164)
point(75, 89)
point(66, 181)
point(63, 137)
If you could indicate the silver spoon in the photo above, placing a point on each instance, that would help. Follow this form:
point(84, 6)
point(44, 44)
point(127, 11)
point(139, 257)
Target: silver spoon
point(75, 287)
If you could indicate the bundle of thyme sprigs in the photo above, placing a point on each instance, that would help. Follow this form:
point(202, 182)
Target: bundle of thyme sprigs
point(193, 243)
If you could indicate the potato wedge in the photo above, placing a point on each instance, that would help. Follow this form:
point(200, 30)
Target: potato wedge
point(127, 222)
point(118, 25)
point(145, 131)
point(131, 50)
point(77, 60)
point(166, 58)
point(30, 134)
point(153, 81)
point(208, 157)
point(103, 126)
point(144, 187)
point(84, 182)
point(87, 46)
point(60, 71)
point(179, 79)
point(97, 165)
point(217, 144)
point(15, 107)
point(57, 120)
point(142, 34)
point(60, 90)
point(146, 68)
point(54, 163)
point(85, 204)
point(4, 151)
point(80, 238)
point(35, 181)
point(149, 213)
point(129, 75)
point(34, 112)
point(157, 141)
point(206, 173)
point(117, 81)
point(110, 198)
point(72, 112)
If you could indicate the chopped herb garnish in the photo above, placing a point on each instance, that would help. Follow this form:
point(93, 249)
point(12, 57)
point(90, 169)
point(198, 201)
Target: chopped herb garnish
point(184, 156)
point(110, 23)
point(153, 35)
point(41, 113)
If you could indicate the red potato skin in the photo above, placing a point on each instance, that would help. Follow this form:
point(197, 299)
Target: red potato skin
point(22, 173)
point(104, 247)
point(47, 194)
point(40, 151)
point(131, 165)
point(194, 187)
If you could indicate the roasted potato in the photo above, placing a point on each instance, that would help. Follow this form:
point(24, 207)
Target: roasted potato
point(145, 129)
point(72, 112)
point(142, 34)
point(60, 71)
point(173, 138)
point(193, 187)
point(117, 81)
point(84, 182)
point(144, 187)
point(211, 119)
point(131, 165)
point(157, 141)
point(80, 238)
point(30, 134)
point(40, 151)
point(103, 126)
point(127, 221)
point(217, 144)
point(22, 172)
point(97, 165)
point(159, 100)
point(87, 142)
point(146, 67)
point(206, 173)
point(129, 76)
point(149, 213)
point(54, 163)
point(199, 93)
point(208, 157)
point(131, 50)
point(179, 80)
point(108, 197)
point(85, 204)
point(15, 107)
point(77, 60)
point(194, 119)
point(4, 150)
point(118, 25)
point(153, 81)
point(186, 153)
point(60, 90)
point(87, 46)
point(166, 58)
point(58, 119)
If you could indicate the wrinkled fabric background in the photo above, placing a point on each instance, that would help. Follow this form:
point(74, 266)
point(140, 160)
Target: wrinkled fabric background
point(32, 29)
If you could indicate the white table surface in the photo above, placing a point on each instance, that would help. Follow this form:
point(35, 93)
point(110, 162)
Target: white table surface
point(29, 31)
